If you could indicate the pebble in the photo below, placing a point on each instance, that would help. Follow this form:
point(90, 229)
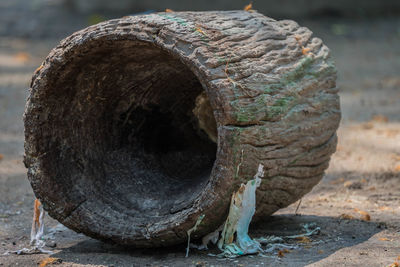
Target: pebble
point(51, 244)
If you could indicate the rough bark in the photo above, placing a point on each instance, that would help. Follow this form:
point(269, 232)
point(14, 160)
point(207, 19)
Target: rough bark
point(116, 147)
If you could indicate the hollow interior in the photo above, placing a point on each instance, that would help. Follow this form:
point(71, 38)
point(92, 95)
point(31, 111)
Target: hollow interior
point(128, 130)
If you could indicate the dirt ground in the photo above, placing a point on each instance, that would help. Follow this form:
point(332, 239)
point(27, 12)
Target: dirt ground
point(362, 182)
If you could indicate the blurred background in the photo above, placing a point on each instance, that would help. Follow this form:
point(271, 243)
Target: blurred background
point(364, 174)
point(57, 18)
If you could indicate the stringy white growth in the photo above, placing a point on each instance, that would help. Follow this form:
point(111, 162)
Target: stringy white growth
point(235, 240)
point(189, 232)
point(211, 237)
point(274, 243)
point(36, 243)
point(59, 228)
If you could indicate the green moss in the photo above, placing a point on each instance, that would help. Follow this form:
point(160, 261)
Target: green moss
point(299, 72)
point(303, 71)
point(279, 107)
point(293, 161)
point(268, 90)
point(328, 70)
point(242, 117)
point(283, 102)
point(231, 139)
point(176, 19)
point(233, 142)
point(261, 100)
point(243, 113)
point(273, 87)
point(291, 78)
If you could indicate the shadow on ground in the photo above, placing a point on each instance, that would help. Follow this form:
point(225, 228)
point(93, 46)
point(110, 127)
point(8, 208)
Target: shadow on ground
point(335, 234)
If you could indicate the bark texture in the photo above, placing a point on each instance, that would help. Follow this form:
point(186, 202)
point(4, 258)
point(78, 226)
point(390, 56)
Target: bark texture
point(119, 140)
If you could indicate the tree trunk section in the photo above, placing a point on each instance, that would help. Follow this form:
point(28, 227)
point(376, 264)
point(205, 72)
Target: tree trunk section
point(137, 126)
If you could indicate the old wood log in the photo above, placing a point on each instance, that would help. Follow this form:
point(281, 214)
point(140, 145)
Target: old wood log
point(137, 126)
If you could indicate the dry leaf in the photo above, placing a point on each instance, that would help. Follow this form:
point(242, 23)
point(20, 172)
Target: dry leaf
point(281, 254)
point(347, 183)
point(168, 10)
point(367, 125)
point(1, 156)
point(398, 258)
point(248, 7)
point(320, 251)
point(392, 132)
point(365, 215)
point(384, 208)
point(198, 29)
point(22, 57)
point(363, 180)
point(396, 157)
point(39, 68)
point(394, 264)
point(380, 118)
point(337, 181)
point(397, 168)
point(303, 239)
point(384, 239)
point(48, 261)
point(346, 217)
point(305, 50)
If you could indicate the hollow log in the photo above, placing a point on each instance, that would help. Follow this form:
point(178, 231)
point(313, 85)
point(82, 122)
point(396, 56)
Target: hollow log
point(137, 126)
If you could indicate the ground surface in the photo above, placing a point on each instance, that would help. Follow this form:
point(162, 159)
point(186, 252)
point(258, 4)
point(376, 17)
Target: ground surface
point(363, 177)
